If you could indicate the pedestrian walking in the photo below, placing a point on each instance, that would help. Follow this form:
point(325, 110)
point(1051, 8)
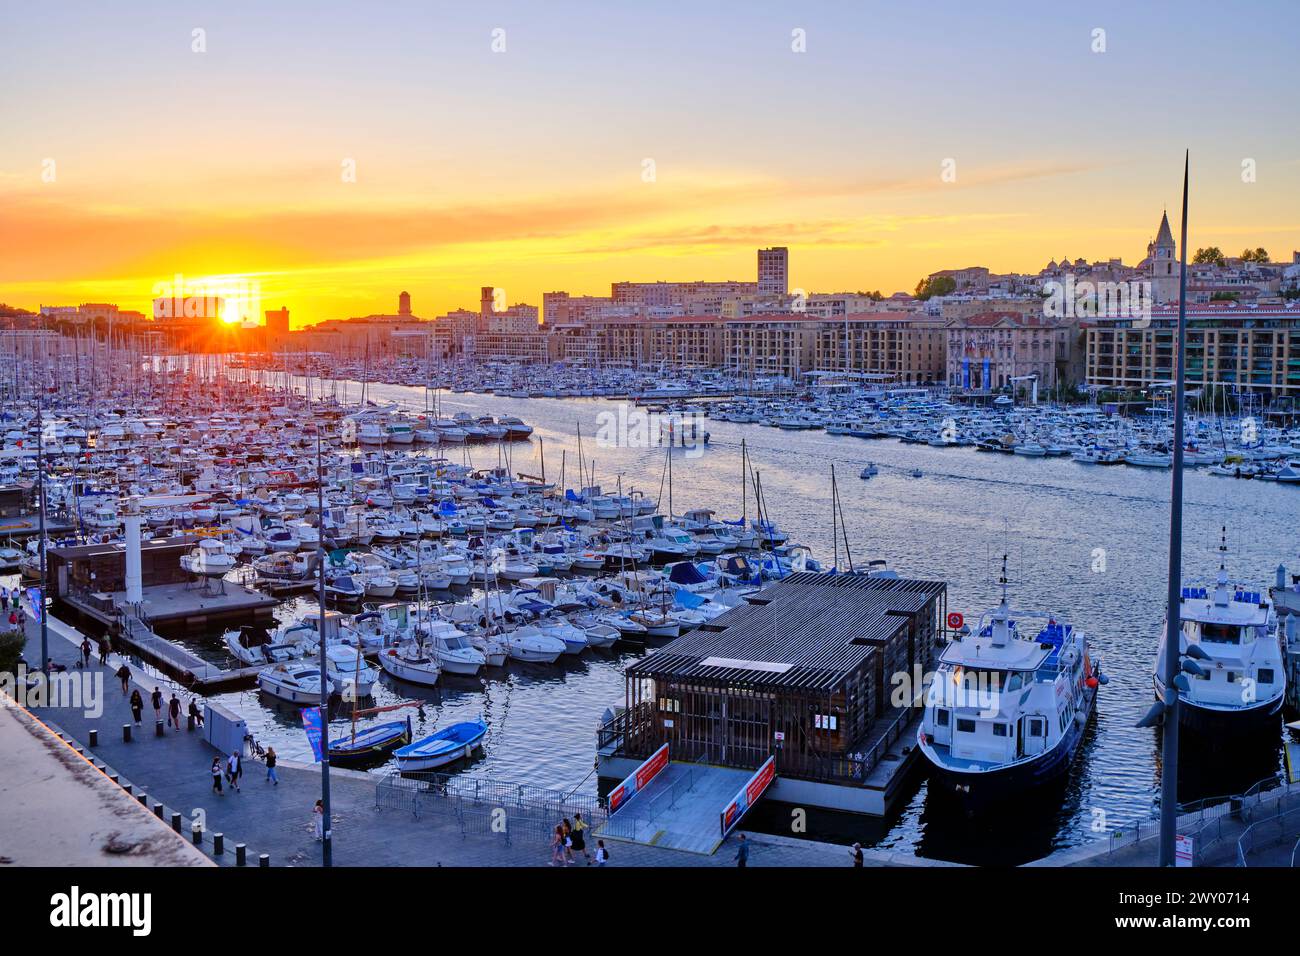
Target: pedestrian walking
point(855, 851)
point(742, 852)
point(234, 769)
point(137, 705)
point(104, 648)
point(4, 599)
point(216, 775)
point(270, 766)
point(13, 619)
point(156, 698)
point(557, 846)
point(579, 836)
point(195, 712)
point(602, 855)
point(568, 841)
point(85, 652)
point(174, 711)
point(124, 675)
point(318, 820)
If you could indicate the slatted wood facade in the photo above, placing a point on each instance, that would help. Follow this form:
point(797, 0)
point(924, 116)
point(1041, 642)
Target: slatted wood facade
point(804, 671)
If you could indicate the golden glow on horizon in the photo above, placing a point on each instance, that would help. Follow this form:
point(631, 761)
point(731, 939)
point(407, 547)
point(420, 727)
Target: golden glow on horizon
point(334, 255)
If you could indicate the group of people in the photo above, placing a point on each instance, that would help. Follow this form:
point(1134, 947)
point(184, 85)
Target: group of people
point(14, 613)
point(173, 706)
point(570, 839)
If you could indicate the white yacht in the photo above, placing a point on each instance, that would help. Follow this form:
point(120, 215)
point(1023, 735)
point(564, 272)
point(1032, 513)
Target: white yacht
point(1230, 635)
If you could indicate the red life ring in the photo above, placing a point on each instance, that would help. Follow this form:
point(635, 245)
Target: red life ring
point(955, 620)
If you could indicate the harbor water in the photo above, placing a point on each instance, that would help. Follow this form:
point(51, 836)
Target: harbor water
point(1085, 543)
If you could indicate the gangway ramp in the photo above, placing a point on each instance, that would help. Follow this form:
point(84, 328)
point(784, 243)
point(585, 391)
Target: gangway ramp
point(681, 806)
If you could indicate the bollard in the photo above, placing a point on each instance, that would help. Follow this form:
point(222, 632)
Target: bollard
point(264, 860)
point(198, 835)
point(94, 736)
point(143, 798)
point(176, 820)
point(126, 733)
point(240, 854)
point(158, 810)
point(114, 777)
point(218, 844)
point(159, 730)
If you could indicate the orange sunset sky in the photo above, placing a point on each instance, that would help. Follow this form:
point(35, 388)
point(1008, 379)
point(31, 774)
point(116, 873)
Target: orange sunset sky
point(523, 169)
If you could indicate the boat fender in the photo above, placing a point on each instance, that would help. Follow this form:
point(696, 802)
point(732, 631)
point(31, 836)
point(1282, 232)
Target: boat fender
point(1092, 682)
point(1103, 679)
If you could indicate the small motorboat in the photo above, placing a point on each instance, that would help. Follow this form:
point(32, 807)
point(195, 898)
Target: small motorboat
point(531, 645)
point(296, 684)
point(598, 635)
point(917, 473)
point(348, 670)
point(369, 742)
point(209, 560)
point(444, 747)
point(869, 472)
point(252, 647)
point(411, 663)
point(452, 649)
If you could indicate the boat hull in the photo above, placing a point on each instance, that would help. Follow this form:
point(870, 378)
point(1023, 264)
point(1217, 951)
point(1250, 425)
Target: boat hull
point(975, 790)
point(1216, 722)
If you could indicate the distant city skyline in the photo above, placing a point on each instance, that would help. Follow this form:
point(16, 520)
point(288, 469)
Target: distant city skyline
point(607, 144)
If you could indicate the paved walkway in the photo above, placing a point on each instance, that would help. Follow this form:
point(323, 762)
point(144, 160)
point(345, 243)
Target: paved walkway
point(277, 820)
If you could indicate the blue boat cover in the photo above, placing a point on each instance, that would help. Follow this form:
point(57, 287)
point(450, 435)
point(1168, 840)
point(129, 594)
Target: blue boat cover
point(687, 599)
point(684, 572)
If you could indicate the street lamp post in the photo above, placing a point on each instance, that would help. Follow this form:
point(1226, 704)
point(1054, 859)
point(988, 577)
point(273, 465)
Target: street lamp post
point(1173, 616)
point(327, 850)
point(40, 482)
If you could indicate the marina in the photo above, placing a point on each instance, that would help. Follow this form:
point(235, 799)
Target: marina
point(521, 583)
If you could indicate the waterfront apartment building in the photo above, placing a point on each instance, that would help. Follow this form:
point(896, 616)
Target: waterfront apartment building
point(1244, 349)
point(770, 345)
point(907, 347)
point(1002, 350)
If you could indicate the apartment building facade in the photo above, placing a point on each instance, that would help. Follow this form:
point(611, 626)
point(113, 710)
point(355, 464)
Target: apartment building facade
point(1246, 349)
point(909, 348)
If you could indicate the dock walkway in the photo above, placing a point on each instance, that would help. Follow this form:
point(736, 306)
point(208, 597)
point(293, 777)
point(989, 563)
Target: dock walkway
point(277, 820)
point(680, 809)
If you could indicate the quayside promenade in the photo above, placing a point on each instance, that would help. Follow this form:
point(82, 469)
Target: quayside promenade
point(277, 820)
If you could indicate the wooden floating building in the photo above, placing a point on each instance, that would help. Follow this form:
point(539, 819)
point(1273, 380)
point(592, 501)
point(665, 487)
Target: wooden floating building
point(810, 671)
point(89, 583)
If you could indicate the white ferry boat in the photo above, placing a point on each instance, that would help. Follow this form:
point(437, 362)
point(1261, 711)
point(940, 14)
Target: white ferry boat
point(1008, 704)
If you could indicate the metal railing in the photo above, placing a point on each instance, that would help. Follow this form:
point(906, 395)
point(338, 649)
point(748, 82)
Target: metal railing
point(629, 820)
point(484, 805)
point(1268, 831)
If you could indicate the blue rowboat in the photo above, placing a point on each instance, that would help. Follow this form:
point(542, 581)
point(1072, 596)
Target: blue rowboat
point(443, 747)
point(369, 742)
